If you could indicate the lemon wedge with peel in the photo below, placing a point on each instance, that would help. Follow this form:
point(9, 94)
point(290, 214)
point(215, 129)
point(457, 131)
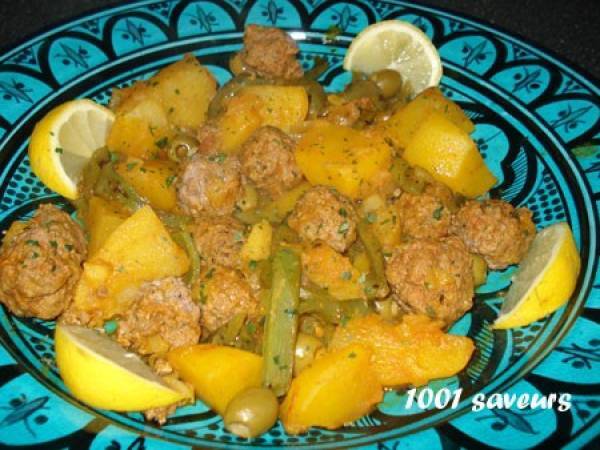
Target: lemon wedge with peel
point(64, 140)
point(396, 45)
point(104, 375)
point(545, 279)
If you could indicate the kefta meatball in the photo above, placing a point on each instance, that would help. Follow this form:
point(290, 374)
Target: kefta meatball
point(324, 215)
point(41, 265)
point(432, 277)
point(270, 53)
point(210, 184)
point(267, 159)
point(219, 240)
point(224, 293)
point(422, 216)
point(163, 316)
point(496, 230)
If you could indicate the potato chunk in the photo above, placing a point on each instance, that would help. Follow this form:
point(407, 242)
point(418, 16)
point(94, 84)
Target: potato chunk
point(337, 388)
point(101, 219)
point(450, 156)
point(403, 125)
point(332, 271)
point(218, 373)
point(154, 180)
point(411, 352)
point(138, 250)
point(342, 157)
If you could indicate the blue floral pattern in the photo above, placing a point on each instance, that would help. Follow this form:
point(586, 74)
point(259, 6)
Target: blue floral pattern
point(537, 125)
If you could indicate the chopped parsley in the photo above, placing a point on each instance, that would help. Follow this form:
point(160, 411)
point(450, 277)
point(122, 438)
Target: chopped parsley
point(371, 217)
point(437, 214)
point(130, 166)
point(162, 142)
point(218, 158)
point(170, 179)
point(69, 247)
point(332, 34)
point(252, 264)
point(53, 244)
point(346, 276)
point(32, 242)
point(58, 150)
point(351, 355)
point(342, 212)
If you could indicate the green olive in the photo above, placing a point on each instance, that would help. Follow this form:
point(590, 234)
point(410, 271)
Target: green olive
point(388, 81)
point(182, 147)
point(388, 309)
point(306, 350)
point(251, 413)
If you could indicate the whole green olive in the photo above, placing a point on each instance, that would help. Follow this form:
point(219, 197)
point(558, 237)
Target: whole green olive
point(182, 147)
point(388, 81)
point(251, 413)
point(306, 350)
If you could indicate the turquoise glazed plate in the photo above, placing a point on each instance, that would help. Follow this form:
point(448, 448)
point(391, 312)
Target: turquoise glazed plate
point(538, 126)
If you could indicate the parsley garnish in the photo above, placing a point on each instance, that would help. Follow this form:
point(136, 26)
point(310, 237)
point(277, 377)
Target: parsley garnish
point(162, 142)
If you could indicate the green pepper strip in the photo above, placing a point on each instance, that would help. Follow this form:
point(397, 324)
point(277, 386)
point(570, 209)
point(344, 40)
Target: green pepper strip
point(379, 286)
point(184, 239)
point(282, 322)
point(320, 302)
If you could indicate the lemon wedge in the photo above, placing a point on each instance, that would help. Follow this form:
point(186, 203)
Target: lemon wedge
point(104, 375)
point(64, 140)
point(545, 280)
point(397, 45)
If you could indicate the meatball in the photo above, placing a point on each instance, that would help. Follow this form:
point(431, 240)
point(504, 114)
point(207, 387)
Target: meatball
point(324, 215)
point(208, 138)
point(422, 216)
point(219, 240)
point(162, 316)
point(223, 294)
point(432, 277)
point(41, 264)
point(495, 230)
point(270, 53)
point(268, 161)
point(210, 184)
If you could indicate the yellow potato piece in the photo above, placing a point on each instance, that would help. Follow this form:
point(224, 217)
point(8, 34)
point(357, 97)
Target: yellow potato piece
point(154, 180)
point(411, 352)
point(238, 122)
point(141, 129)
point(101, 219)
point(403, 125)
point(342, 157)
point(283, 107)
point(185, 90)
point(450, 156)
point(218, 373)
point(337, 388)
point(332, 271)
point(258, 244)
point(138, 250)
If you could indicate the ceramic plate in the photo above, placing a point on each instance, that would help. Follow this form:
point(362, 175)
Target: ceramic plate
point(538, 126)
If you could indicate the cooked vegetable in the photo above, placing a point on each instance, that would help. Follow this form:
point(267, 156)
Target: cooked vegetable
point(218, 373)
point(284, 107)
point(258, 243)
point(388, 81)
point(378, 286)
point(332, 271)
point(320, 302)
point(451, 157)
point(153, 180)
point(479, 270)
point(138, 250)
point(251, 412)
point(282, 321)
point(403, 125)
point(342, 157)
point(412, 352)
point(307, 347)
point(337, 388)
point(101, 219)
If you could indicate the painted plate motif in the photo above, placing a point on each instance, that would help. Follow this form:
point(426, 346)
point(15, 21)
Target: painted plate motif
point(538, 126)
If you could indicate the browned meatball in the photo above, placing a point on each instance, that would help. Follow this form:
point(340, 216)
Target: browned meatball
point(270, 53)
point(324, 215)
point(432, 277)
point(268, 161)
point(163, 316)
point(210, 184)
point(422, 216)
point(41, 264)
point(223, 294)
point(495, 230)
point(208, 138)
point(219, 240)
